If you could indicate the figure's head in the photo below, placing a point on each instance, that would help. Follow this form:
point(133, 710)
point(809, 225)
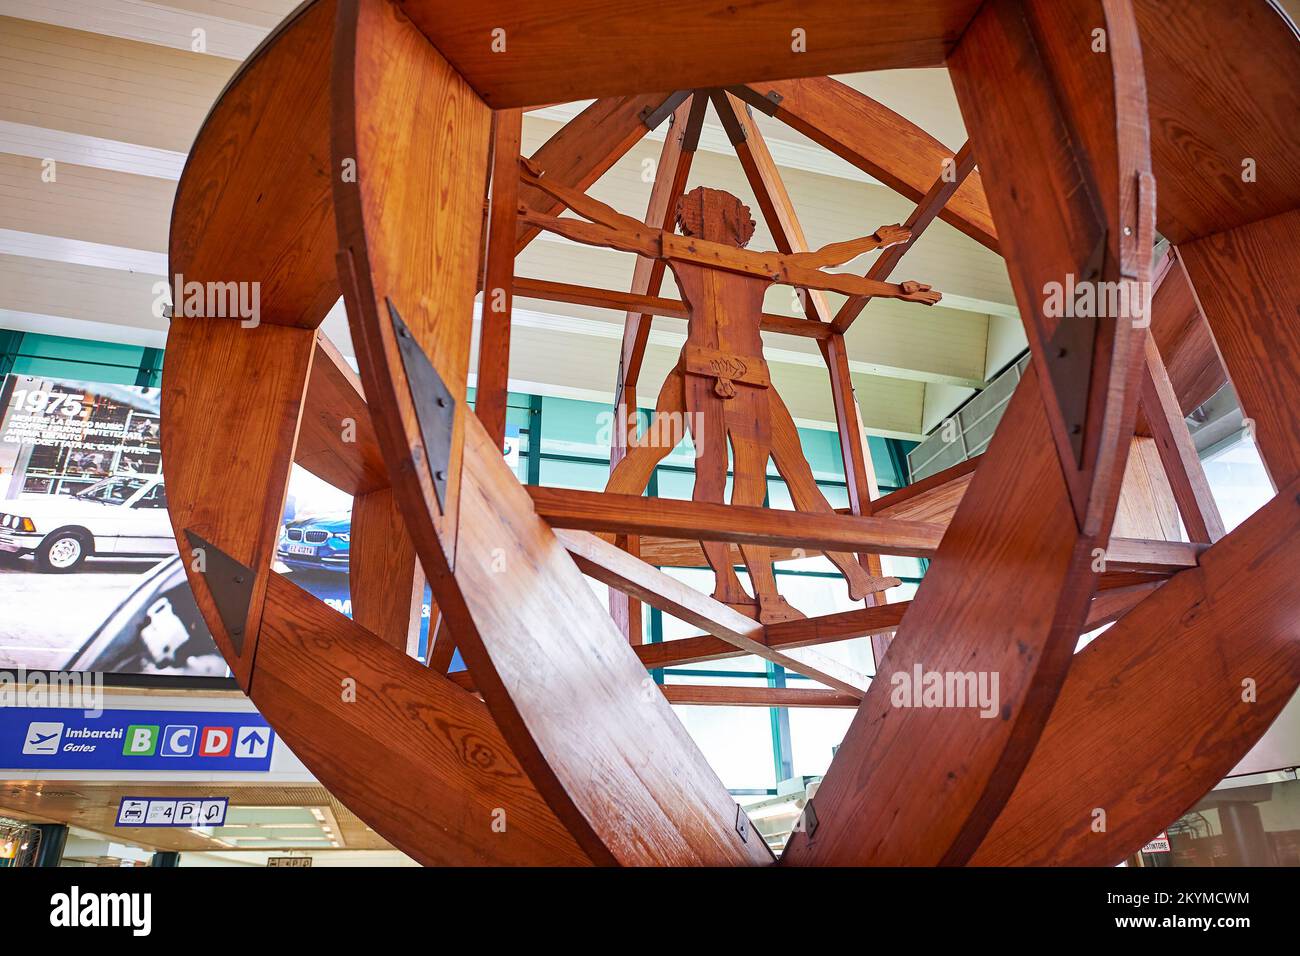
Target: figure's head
point(716, 216)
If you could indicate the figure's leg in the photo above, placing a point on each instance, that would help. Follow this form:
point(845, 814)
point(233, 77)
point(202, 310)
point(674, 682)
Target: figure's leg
point(790, 462)
point(631, 475)
point(709, 433)
point(747, 426)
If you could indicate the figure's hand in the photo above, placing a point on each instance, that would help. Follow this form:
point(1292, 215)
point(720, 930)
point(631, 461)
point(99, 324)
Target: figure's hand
point(919, 292)
point(892, 235)
point(529, 170)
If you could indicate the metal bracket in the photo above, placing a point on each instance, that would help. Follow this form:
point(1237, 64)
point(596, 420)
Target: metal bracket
point(742, 824)
point(231, 586)
point(435, 406)
point(1069, 359)
point(652, 116)
point(808, 819)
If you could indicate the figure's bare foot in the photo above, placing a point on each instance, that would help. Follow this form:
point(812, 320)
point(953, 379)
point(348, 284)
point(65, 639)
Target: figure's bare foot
point(919, 292)
point(776, 608)
point(862, 585)
point(892, 235)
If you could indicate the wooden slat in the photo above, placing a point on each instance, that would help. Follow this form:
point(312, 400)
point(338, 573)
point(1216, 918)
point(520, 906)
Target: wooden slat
point(1182, 464)
point(946, 184)
point(584, 149)
point(1184, 339)
point(550, 55)
point(618, 569)
point(498, 282)
point(240, 153)
point(687, 553)
point(550, 291)
point(336, 440)
point(385, 581)
point(724, 696)
point(881, 143)
point(1248, 281)
point(787, 635)
point(933, 498)
point(632, 514)
point(406, 725)
point(1217, 82)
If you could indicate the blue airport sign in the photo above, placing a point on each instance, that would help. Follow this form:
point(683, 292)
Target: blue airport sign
point(51, 738)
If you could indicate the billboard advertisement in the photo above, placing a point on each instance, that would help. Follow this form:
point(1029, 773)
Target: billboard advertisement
point(90, 575)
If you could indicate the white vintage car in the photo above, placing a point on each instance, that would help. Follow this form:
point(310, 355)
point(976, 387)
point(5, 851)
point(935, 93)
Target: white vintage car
point(120, 517)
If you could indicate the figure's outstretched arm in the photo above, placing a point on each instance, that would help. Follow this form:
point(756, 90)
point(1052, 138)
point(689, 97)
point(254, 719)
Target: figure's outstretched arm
point(578, 201)
point(798, 275)
point(838, 253)
point(642, 241)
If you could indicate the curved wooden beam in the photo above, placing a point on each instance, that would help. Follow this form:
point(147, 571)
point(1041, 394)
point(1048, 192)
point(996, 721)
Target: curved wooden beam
point(1009, 590)
point(558, 52)
point(279, 96)
point(291, 653)
point(614, 762)
point(1223, 112)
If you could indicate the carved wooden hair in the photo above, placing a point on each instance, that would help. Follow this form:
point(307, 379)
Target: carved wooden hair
point(715, 215)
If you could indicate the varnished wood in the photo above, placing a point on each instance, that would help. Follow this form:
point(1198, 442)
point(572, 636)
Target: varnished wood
point(281, 95)
point(585, 148)
point(551, 57)
point(881, 143)
point(336, 439)
point(1217, 98)
point(668, 793)
point(716, 695)
point(499, 273)
point(550, 291)
point(1183, 338)
point(606, 563)
point(1248, 282)
point(632, 514)
point(1083, 162)
point(946, 184)
point(1182, 464)
point(232, 499)
point(385, 581)
point(1155, 711)
point(464, 800)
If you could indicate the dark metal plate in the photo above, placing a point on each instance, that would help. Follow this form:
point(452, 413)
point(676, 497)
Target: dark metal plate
point(435, 407)
point(231, 586)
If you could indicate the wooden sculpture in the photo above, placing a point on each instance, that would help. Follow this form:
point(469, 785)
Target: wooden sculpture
point(556, 729)
point(720, 386)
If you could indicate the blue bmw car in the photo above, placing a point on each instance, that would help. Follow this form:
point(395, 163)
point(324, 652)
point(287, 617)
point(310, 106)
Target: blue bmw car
point(317, 543)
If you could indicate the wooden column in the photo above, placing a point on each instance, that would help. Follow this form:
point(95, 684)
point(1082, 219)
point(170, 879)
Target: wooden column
point(498, 284)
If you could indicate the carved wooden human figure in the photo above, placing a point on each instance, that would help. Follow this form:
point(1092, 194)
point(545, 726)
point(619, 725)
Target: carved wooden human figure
point(720, 388)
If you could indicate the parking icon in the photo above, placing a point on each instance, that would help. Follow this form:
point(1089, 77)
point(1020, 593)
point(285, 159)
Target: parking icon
point(178, 740)
point(43, 737)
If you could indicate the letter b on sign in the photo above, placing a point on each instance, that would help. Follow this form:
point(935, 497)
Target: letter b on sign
point(216, 741)
point(141, 740)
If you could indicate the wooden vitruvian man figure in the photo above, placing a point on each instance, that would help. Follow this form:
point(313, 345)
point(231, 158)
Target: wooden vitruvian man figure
point(720, 386)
